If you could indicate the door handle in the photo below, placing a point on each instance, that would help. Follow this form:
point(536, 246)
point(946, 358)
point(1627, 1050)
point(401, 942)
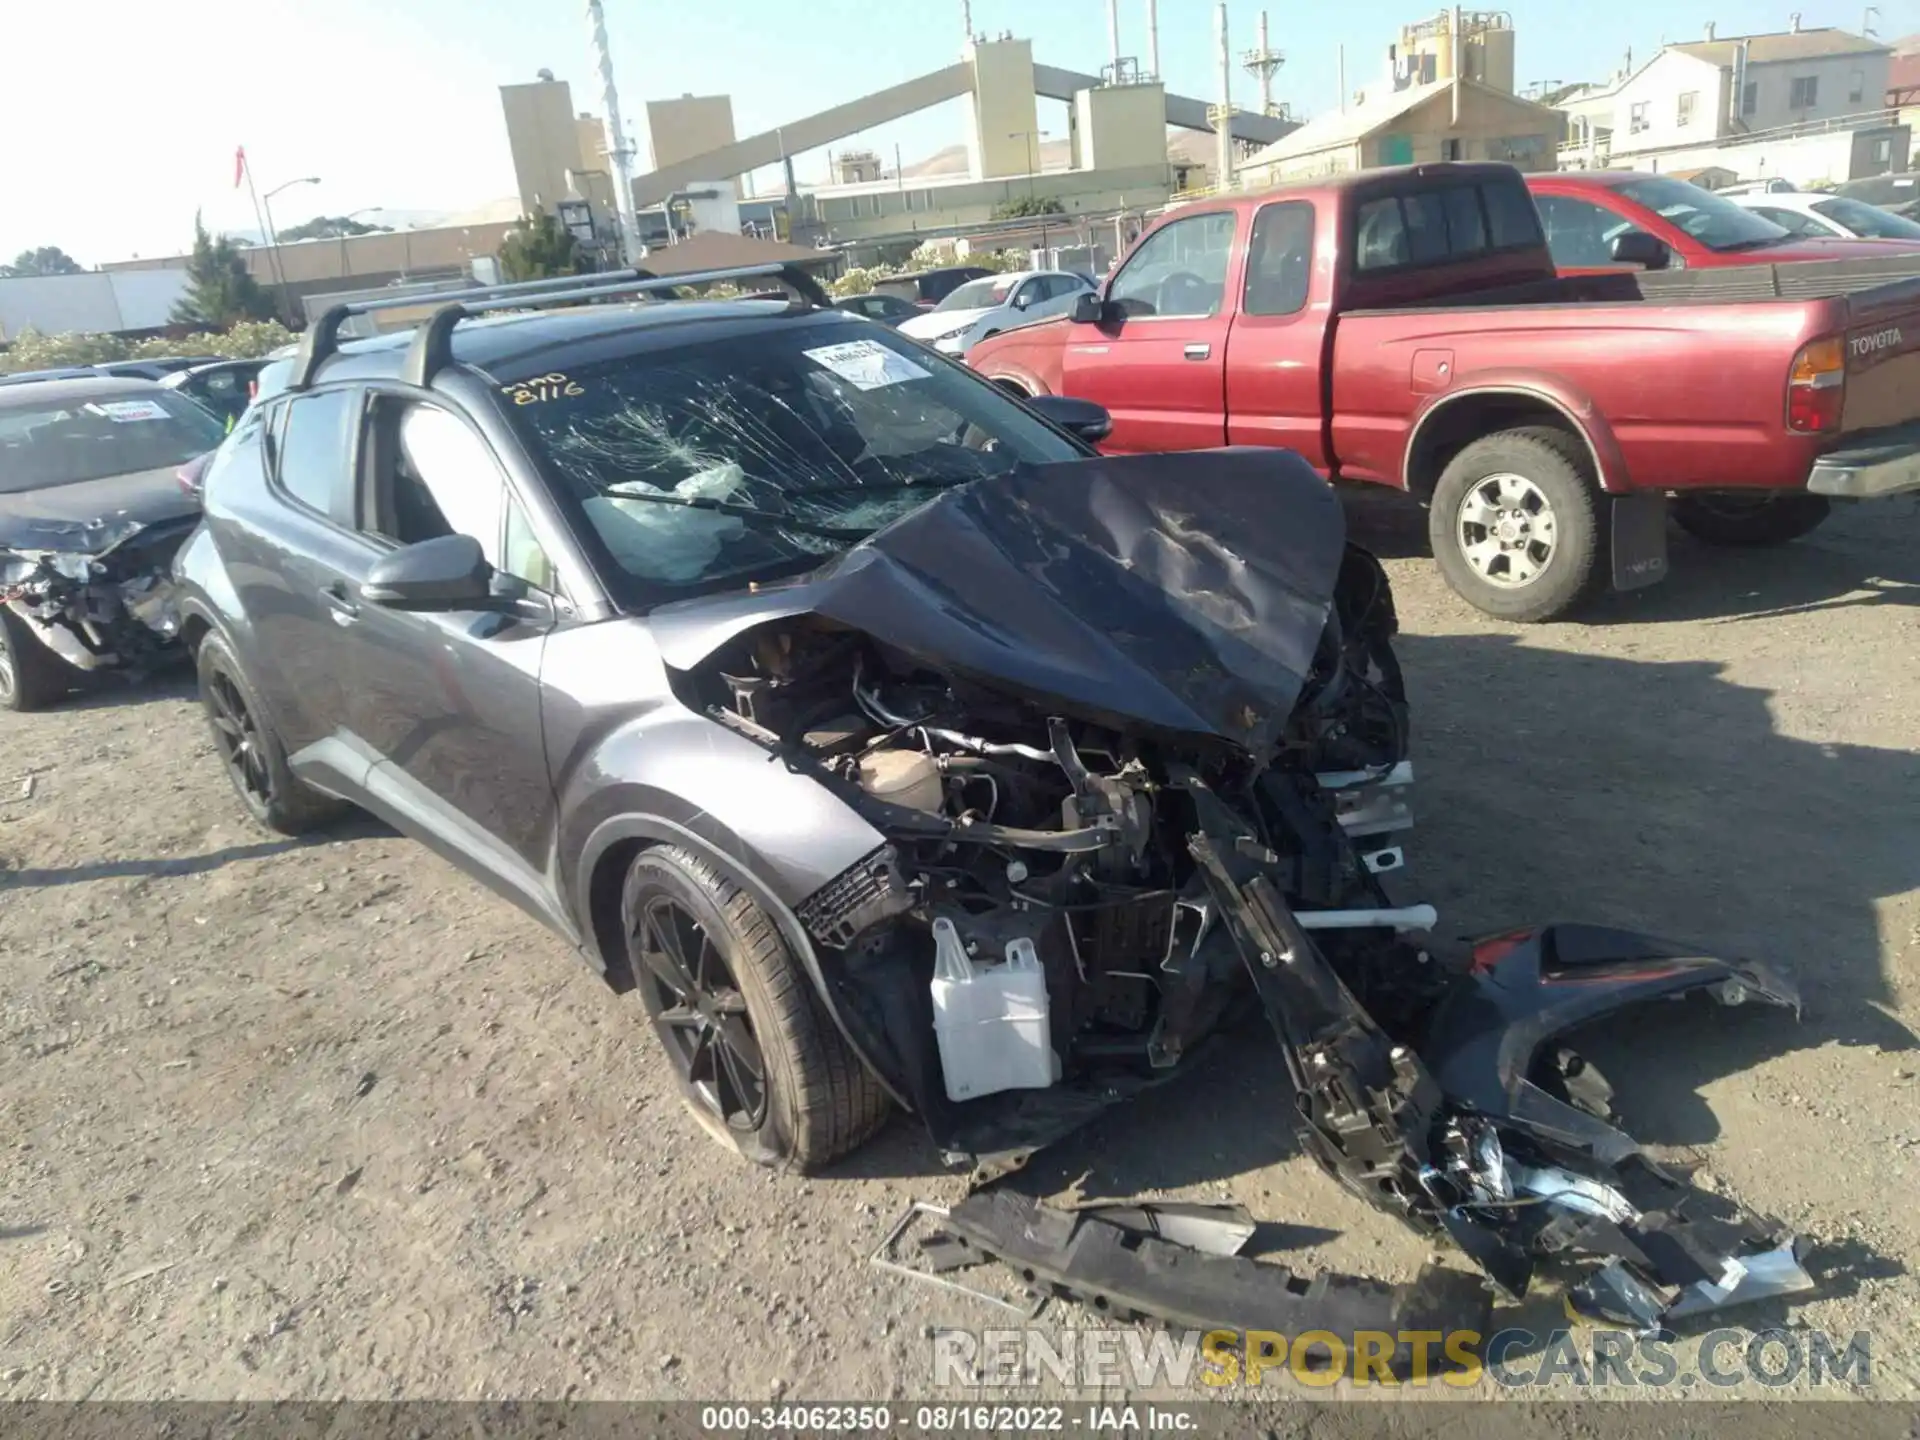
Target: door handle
point(1199, 351)
point(345, 611)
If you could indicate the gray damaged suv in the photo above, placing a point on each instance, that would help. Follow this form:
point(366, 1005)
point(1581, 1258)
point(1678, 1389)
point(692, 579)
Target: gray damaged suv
point(898, 749)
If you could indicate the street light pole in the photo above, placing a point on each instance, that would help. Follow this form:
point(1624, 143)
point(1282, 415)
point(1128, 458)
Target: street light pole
point(363, 210)
point(1033, 164)
point(273, 240)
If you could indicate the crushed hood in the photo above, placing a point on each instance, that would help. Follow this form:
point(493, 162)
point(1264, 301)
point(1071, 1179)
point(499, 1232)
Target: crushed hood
point(1186, 591)
point(93, 516)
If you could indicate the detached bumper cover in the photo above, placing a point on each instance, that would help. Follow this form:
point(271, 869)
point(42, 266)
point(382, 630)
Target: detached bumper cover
point(1888, 463)
point(1129, 1276)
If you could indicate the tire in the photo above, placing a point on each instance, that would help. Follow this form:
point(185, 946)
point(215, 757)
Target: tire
point(1752, 519)
point(249, 750)
point(1540, 471)
point(816, 1101)
point(32, 677)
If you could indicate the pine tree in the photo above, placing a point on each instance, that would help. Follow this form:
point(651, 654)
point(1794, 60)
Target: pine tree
point(541, 248)
point(220, 290)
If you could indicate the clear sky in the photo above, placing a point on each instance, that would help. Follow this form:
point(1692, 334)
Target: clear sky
point(119, 118)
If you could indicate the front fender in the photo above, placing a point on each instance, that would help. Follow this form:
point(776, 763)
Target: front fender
point(1032, 357)
point(655, 829)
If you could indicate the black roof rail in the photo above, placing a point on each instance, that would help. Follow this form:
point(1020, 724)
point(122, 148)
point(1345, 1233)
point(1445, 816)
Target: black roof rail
point(322, 337)
point(430, 352)
point(432, 347)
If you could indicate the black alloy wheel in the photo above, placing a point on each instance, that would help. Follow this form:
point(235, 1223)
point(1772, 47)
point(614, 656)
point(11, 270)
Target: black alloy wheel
point(701, 1014)
point(238, 738)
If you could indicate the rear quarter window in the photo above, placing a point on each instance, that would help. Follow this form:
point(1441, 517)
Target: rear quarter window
point(1438, 223)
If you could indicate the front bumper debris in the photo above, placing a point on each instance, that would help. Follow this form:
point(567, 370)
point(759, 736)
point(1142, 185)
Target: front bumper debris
point(1887, 464)
point(1483, 1131)
point(1132, 1276)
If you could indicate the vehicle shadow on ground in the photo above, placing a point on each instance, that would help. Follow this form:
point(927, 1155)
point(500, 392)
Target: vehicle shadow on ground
point(1846, 563)
point(1554, 786)
point(112, 689)
point(356, 826)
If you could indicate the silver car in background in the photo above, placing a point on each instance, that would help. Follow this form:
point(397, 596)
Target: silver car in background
point(993, 303)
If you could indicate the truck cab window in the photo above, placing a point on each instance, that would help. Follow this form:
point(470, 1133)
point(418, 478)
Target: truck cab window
point(1280, 259)
point(1381, 235)
point(1180, 269)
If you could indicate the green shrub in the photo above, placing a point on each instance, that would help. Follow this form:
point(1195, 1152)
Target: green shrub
point(248, 340)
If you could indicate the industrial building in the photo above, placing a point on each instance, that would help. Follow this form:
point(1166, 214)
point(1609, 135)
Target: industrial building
point(1803, 105)
point(1117, 152)
point(1447, 94)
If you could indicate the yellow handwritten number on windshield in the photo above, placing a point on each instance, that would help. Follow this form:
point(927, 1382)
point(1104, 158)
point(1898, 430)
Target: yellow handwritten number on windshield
point(540, 389)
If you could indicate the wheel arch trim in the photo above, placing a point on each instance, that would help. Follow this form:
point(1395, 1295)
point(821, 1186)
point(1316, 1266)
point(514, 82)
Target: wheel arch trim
point(658, 830)
point(1609, 468)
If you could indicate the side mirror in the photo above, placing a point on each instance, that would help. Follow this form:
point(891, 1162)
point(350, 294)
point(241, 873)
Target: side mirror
point(446, 573)
point(1023, 300)
point(1089, 308)
point(1637, 247)
point(1081, 418)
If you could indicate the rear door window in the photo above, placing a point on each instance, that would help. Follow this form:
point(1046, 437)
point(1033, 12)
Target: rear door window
point(314, 453)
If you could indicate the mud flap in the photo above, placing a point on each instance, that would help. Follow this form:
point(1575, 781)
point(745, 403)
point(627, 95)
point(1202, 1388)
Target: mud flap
point(1639, 539)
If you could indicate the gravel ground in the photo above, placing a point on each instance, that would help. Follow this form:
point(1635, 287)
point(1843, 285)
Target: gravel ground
point(315, 1120)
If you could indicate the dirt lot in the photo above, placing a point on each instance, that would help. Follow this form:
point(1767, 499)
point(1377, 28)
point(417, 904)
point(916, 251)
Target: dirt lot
point(323, 1120)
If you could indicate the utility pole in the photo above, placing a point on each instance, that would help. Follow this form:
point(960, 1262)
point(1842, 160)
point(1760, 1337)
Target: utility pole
point(273, 237)
point(1263, 63)
point(1222, 114)
point(619, 153)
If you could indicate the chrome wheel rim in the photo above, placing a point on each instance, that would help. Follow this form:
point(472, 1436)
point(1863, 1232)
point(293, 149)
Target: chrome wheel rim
point(701, 1014)
point(7, 680)
point(1506, 530)
point(238, 738)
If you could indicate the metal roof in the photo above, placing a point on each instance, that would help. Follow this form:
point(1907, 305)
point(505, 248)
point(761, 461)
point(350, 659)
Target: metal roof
point(1782, 45)
point(1347, 127)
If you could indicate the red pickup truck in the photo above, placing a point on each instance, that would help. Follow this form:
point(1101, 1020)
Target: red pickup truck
point(1407, 327)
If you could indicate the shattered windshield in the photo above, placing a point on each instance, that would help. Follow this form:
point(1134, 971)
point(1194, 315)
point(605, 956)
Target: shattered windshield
point(71, 442)
point(702, 465)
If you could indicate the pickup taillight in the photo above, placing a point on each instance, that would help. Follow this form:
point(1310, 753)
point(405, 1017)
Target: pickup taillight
point(1817, 386)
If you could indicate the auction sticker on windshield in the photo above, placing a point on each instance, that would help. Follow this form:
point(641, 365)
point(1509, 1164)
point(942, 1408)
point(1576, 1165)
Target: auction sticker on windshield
point(123, 411)
point(867, 364)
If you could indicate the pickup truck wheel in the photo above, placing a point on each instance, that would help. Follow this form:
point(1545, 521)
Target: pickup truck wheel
point(760, 1064)
point(1515, 525)
point(1767, 518)
point(32, 677)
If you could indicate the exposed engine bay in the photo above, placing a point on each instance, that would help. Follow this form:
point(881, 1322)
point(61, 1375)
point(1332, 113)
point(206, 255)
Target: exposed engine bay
point(1140, 871)
point(108, 602)
point(1125, 806)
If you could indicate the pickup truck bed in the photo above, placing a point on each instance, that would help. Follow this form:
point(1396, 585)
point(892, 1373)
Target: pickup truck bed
point(1407, 327)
